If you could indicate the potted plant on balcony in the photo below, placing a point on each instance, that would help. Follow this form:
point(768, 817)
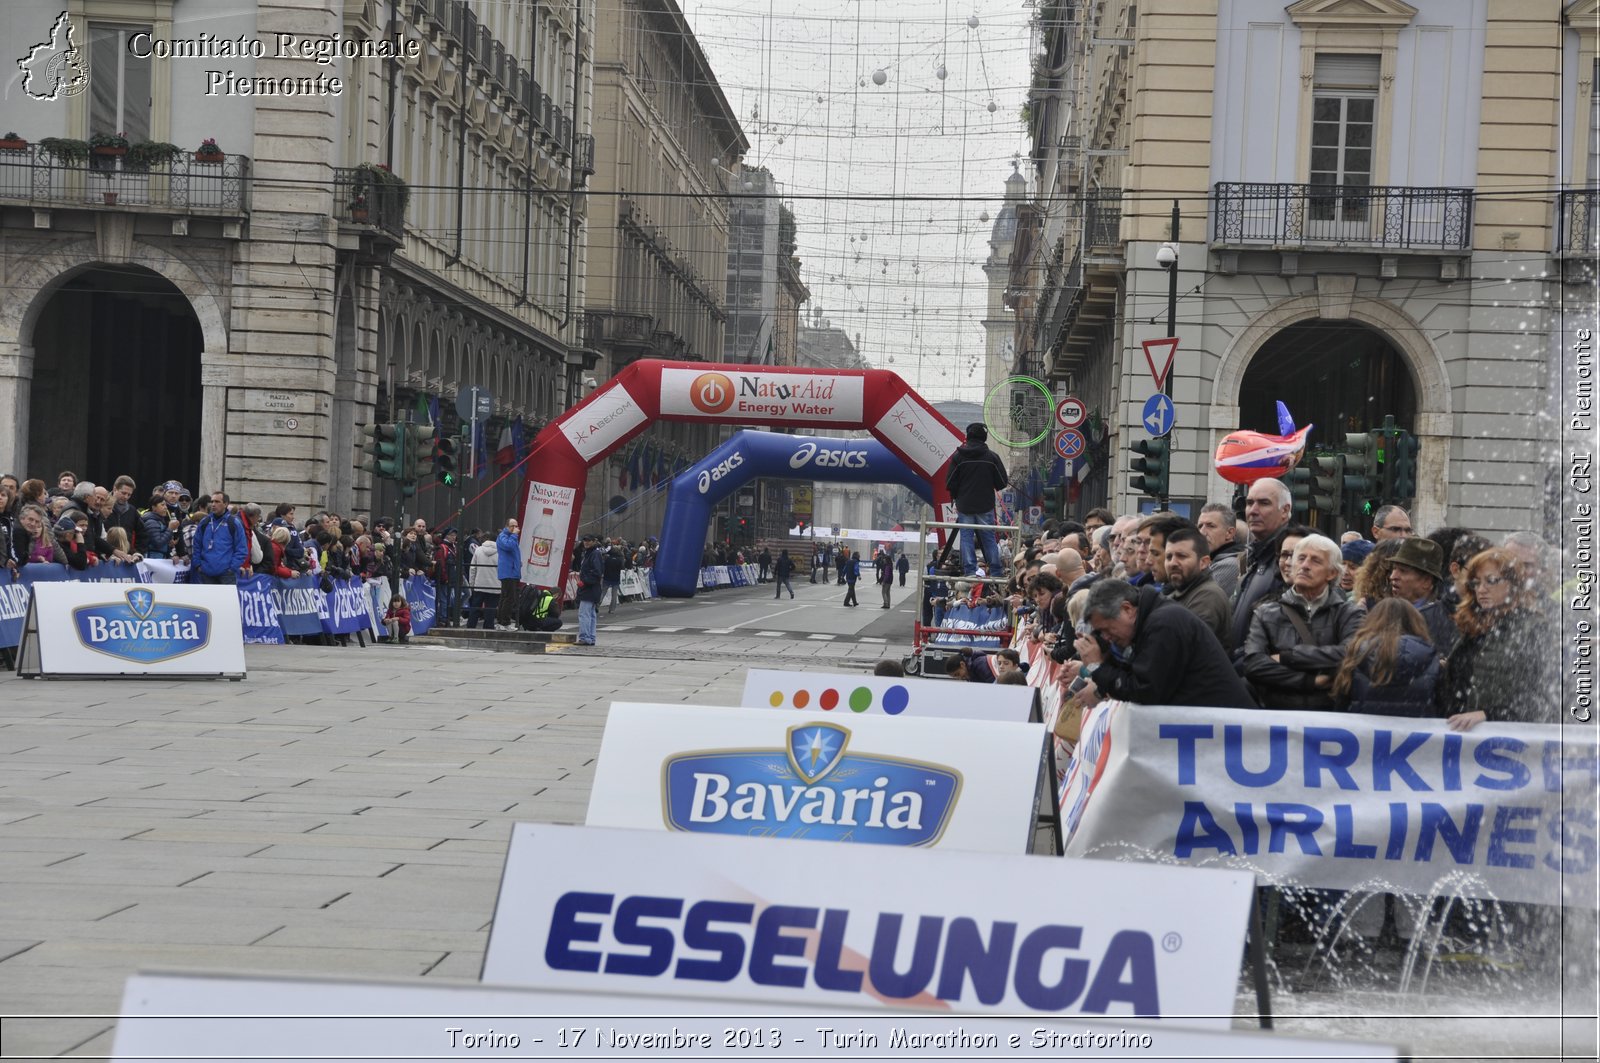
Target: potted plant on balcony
point(386, 192)
point(358, 207)
point(108, 144)
point(208, 152)
point(65, 150)
point(12, 142)
point(148, 153)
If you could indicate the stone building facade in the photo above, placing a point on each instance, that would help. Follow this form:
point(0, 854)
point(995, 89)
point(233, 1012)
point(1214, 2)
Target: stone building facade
point(1384, 208)
point(667, 145)
point(231, 323)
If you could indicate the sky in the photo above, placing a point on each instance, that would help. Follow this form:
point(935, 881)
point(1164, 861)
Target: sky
point(894, 186)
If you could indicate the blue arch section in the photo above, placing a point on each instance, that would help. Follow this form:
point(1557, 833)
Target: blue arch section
point(695, 492)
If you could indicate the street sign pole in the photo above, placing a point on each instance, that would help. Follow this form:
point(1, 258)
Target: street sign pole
point(1172, 323)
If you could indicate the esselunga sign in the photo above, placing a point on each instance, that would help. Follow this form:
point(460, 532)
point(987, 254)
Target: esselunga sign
point(914, 783)
point(586, 909)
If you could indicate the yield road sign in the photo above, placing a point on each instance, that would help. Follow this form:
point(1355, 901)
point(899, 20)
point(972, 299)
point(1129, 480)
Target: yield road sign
point(1160, 352)
point(1071, 412)
point(1070, 443)
point(1159, 414)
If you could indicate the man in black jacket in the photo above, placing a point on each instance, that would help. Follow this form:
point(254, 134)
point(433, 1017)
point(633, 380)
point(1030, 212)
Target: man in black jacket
point(1169, 656)
point(1266, 512)
point(975, 474)
point(1297, 640)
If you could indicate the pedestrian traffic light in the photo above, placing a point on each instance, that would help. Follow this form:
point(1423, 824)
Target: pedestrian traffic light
point(1153, 468)
point(1363, 474)
point(1404, 466)
point(1327, 482)
point(382, 445)
point(444, 461)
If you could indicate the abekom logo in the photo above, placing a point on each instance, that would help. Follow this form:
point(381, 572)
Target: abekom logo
point(811, 788)
point(142, 630)
point(711, 392)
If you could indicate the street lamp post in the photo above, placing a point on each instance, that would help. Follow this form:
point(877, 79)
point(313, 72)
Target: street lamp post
point(1167, 258)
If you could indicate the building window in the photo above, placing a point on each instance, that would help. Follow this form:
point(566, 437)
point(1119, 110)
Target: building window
point(1592, 173)
point(1343, 117)
point(119, 85)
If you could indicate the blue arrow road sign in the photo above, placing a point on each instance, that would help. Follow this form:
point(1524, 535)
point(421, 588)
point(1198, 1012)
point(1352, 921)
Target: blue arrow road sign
point(1158, 414)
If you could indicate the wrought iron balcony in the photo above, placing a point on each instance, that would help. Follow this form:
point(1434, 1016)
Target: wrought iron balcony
point(609, 329)
point(359, 201)
point(1103, 216)
point(1577, 233)
point(1377, 217)
point(179, 186)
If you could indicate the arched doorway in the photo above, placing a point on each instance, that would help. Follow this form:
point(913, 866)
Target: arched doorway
point(116, 381)
point(1341, 376)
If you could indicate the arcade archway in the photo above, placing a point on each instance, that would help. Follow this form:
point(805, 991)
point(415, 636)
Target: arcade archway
point(648, 390)
point(116, 380)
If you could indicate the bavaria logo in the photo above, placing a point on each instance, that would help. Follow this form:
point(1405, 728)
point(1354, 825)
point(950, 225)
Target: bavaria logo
point(810, 789)
point(141, 629)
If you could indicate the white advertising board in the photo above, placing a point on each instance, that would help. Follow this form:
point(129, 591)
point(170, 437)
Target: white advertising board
point(182, 1015)
point(762, 398)
point(546, 527)
point(131, 629)
point(602, 421)
point(605, 910)
point(869, 695)
point(913, 430)
point(1504, 811)
point(950, 784)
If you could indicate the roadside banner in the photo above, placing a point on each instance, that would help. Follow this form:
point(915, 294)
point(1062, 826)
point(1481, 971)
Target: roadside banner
point(1503, 811)
point(137, 629)
point(950, 784)
point(601, 910)
point(209, 1015)
point(867, 695)
point(419, 596)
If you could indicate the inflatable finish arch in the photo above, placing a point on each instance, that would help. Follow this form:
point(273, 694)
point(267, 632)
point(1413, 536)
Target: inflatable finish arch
point(751, 454)
point(649, 390)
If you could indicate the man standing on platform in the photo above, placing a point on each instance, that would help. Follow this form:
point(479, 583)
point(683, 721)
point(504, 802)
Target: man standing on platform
point(976, 473)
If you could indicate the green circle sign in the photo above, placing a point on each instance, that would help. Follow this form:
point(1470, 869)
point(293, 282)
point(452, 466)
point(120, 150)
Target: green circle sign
point(1002, 392)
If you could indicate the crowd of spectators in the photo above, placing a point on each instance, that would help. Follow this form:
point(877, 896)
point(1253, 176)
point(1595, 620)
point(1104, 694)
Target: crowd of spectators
point(1262, 611)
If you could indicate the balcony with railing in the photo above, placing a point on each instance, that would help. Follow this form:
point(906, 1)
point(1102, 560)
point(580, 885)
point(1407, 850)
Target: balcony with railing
point(1338, 217)
point(1577, 231)
point(180, 185)
point(359, 201)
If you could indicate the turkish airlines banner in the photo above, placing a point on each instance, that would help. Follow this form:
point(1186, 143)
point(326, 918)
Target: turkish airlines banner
point(1504, 811)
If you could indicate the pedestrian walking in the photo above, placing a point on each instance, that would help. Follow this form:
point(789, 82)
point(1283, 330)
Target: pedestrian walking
point(884, 569)
point(782, 569)
point(612, 565)
point(591, 585)
point(765, 563)
point(850, 569)
point(904, 565)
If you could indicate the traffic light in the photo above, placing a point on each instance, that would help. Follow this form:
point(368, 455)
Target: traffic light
point(1298, 480)
point(417, 444)
point(1153, 466)
point(444, 461)
point(1327, 482)
point(1054, 501)
point(382, 445)
point(1403, 462)
point(1363, 467)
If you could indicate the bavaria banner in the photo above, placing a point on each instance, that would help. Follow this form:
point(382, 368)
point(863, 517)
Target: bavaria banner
point(155, 629)
point(950, 784)
point(1504, 811)
point(590, 909)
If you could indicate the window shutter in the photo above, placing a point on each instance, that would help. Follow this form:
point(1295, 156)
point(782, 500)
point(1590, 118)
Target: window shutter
point(1346, 72)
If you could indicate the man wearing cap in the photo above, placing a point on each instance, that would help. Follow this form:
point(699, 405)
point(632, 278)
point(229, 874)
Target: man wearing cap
point(976, 473)
point(591, 585)
point(1354, 551)
point(1417, 572)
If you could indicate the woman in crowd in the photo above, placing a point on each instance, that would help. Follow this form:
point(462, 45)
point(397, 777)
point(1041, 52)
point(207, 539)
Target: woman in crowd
point(158, 527)
point(1372, 582)
point(1291, 539)
point(277, 564)
point(33, 493)
point(32, 540)
point(1390, 667)
point(121, 549)
point(1500, 670)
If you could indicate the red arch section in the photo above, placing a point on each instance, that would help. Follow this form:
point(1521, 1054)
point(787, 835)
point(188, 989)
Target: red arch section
point(649, 390)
